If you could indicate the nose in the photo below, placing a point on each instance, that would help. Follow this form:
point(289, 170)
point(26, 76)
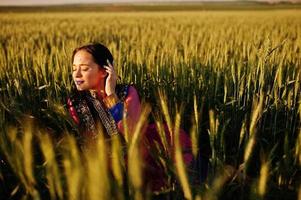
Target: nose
point(78, 72)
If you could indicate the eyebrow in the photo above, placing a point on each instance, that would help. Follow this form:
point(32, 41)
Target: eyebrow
point(74, 65)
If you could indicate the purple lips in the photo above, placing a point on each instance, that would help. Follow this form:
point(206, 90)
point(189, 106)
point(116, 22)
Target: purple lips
point(79, 82)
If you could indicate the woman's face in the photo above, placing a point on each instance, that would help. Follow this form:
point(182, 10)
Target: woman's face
point(86, 74)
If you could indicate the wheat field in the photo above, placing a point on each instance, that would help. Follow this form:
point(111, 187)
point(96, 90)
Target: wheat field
point(233, 75)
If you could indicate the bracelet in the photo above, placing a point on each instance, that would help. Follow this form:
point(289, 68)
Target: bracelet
point(111, 100)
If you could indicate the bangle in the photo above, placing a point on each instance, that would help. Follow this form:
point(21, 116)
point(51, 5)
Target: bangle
point(111, 100)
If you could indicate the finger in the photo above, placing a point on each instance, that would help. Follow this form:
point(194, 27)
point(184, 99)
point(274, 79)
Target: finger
point(110, 64)
point(110, 71)
point(109, 68)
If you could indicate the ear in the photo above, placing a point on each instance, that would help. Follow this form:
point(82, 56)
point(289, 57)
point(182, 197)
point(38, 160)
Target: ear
point(104, 73)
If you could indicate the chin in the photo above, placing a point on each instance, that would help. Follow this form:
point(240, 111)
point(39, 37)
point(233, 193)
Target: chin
point(80, 88)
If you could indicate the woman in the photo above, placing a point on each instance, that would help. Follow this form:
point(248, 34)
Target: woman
point(100, 103)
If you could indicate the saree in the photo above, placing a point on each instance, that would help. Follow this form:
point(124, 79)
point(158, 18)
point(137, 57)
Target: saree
point(91, 114)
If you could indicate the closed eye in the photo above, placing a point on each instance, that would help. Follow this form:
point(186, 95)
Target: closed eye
point(83, 68)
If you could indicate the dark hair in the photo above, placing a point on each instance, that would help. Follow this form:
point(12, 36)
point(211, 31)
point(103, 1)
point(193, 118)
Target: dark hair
point(99, 52)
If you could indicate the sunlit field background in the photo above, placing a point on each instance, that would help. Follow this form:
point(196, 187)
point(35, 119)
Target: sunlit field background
point(234, 75)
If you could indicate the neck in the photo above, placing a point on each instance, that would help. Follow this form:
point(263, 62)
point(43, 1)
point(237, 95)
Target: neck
point(99, 92)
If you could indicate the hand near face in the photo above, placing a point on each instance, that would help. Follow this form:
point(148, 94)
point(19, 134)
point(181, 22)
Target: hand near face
point(111, 79)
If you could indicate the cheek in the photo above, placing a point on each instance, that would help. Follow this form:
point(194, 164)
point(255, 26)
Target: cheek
point(93, 78)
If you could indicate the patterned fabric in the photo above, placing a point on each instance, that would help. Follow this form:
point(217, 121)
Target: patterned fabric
point(92, 113)
point(106, 119)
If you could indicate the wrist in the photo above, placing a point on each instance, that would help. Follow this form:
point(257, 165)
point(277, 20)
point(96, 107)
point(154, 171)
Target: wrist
point(110, 93)
point(111, 100)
